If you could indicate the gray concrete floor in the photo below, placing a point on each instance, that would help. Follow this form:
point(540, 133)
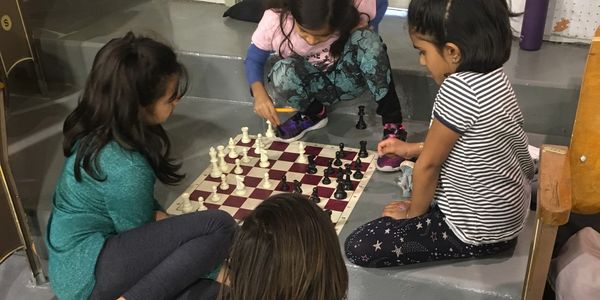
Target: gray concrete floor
point(212, 48)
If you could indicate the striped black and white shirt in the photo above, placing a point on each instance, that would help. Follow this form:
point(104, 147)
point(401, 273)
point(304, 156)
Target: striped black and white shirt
point(484, 185)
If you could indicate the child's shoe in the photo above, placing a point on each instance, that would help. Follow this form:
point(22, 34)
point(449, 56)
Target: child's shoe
point(298, 125)
point(391, 162)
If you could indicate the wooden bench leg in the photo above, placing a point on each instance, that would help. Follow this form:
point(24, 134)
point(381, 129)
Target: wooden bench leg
point(538, 263)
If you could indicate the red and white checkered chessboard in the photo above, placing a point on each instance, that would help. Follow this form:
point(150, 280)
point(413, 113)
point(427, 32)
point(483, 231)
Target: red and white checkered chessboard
point(282, 158)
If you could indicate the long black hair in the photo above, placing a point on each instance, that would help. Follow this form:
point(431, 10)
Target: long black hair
point(341, 16)
point(480, 29)
point(128, 74)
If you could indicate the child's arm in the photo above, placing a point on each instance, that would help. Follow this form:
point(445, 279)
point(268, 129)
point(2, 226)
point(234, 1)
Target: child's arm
point(400, 148)
point(438, 144)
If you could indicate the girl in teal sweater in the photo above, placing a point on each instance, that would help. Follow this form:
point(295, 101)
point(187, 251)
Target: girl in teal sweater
point(103, 240)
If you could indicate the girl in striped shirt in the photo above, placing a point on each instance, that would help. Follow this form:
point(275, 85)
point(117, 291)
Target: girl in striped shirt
point(471, 181)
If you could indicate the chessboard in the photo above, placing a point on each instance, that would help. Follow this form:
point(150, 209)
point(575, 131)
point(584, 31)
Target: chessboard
point(283, 160)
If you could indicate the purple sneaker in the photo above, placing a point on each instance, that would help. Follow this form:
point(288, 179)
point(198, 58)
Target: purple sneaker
point(391, 162)
point(298, 125)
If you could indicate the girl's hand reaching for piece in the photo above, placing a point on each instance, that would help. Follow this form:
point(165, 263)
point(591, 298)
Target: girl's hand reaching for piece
point(396, 210)
point(393, 146)
point(263, 106)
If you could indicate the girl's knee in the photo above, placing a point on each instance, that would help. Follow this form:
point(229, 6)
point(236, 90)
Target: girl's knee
point(224, 222)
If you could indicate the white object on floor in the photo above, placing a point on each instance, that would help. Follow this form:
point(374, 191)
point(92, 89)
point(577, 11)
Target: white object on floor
point(270, 133)
point(215, 196)
point(187, 206)
point(231, 147)
point(245, 137)
point(264, 159)
point(575, 272)
point(301, 157)
point(245, 157)
point(222, 162)
point(240, 187)
point(266, 183)
point(534, 152)
point(201, 206)
point(238, 169)
point(224, 185)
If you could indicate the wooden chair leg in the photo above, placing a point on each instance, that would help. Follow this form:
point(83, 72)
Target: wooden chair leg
point(538, 263)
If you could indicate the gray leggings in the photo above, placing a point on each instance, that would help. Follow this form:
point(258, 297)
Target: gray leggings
point(167, 259)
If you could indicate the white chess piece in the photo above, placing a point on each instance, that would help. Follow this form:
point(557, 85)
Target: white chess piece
point(215, 172)
point(301, 158)
point(231, 147)
point(257, 146)
point(245, 157)
point(270, 133)
point(224, 185)
point(215, 196)
point(266, 183)
point(222, 162)
point(201, 206)
point(187, 206)
point(245, 138)
point(240, 187)
point(238, 169)
point(264, 159)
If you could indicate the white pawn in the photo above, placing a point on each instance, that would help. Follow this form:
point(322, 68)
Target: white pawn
point(231, 147)
point(238, 169)
point(266, 183)
point(245, 157)
point(264, 159)
point(301, 158)
point(201, 206)
point(215, 196)
point(240, 187)
point(224, 185)
point(222, 162)
point(257, 146)
point(270, 133)
point(187, 206)
point(245, 137)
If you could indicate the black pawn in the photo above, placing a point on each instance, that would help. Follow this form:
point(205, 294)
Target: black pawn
point(361, 124)
point(340, 174)
point(283, 185)
point(314, 197)
point(348, 183)
point(348, 169)
point(342, 152)
point(297, 187)
point(329, 170)
point(363, 149)
point(357, 171)
point(312, 167)
point(329, 212)
point(339, 192)
point(326, 179)
point(337, 162)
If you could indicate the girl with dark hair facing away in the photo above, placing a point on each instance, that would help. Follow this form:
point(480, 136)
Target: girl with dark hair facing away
point(103, 240)
point(287, 249)
point(309, 54)
point(471, 179)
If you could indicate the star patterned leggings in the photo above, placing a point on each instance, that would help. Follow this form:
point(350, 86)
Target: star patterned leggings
point(386, 242)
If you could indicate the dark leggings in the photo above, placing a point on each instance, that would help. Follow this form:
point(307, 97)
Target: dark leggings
point(386, 242)
point(166, 259)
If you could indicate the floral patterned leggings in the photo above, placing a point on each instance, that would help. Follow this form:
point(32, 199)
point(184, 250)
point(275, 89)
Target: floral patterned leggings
point(363, 65)
point(386, 242)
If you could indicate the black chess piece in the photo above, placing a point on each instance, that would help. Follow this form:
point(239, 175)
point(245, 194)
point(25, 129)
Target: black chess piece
point(314, 197)
point(358, 170)
point(362, 153)
point(358, 163)
point(312, 166)
point(329, 212)
point(340, 193)
point(283, 185)
point(348, 169)
point(326, 179)
point(361, 124)
point(342, 152)
point(348, 183)
point(329, 169)
point(337, 162)
point(297, 187)
point(340, 174)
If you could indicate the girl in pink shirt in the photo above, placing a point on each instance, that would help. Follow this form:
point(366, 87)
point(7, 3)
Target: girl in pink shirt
point(309, 54)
